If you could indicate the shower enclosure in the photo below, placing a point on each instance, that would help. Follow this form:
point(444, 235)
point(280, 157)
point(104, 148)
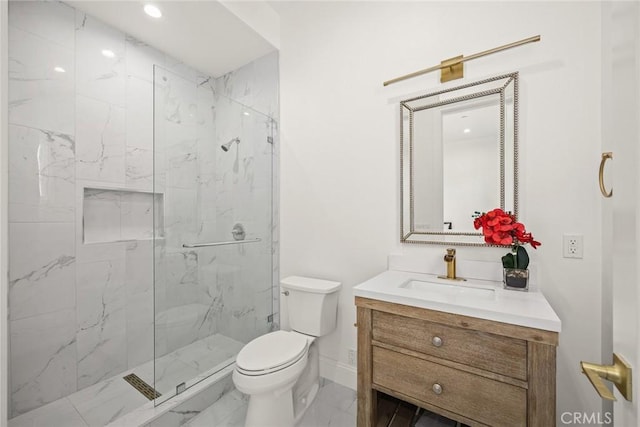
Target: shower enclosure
point(213, 160)
point(141, 252)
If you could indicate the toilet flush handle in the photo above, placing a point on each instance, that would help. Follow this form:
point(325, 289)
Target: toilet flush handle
point(285, 293)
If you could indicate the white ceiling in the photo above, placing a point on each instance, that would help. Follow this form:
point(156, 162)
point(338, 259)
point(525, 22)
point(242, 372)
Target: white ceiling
point(202, 33)
point(479, 117)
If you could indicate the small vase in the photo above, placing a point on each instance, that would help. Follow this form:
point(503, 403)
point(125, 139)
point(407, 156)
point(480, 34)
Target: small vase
point(516, 279)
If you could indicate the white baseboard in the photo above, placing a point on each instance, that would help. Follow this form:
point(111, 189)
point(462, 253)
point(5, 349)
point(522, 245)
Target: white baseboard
point(338, 372)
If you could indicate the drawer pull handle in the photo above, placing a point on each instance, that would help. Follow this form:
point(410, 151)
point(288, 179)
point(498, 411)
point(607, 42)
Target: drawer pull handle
point(436, 341)
point(437, 388)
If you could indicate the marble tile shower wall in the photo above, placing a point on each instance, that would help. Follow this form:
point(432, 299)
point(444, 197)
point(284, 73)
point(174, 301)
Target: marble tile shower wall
point(255, 88)
point(226, 289)
point(187, 295)
point(81, 313)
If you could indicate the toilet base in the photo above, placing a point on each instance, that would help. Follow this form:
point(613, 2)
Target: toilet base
point(306, 388)
point(306, 402)
point(269, 409)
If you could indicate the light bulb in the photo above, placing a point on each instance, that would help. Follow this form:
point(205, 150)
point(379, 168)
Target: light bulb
point(152, 11)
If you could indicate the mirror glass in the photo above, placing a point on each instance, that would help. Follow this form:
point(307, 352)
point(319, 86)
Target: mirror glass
point(458, 151)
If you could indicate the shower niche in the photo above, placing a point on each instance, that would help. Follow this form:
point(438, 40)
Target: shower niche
point(118, 215)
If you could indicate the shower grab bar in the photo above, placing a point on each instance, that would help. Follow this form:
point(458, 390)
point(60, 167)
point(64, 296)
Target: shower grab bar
point(230, 242)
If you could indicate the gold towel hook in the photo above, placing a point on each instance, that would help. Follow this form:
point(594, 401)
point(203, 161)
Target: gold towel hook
point(605, 156)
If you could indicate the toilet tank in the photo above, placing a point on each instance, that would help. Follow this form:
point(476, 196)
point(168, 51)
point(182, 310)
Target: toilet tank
point(312, 304)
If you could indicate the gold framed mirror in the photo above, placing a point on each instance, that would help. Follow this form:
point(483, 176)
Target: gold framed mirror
point(459, 156)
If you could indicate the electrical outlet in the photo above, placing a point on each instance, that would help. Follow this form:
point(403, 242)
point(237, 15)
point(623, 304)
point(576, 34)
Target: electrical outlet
point(572, 246)
point(351, 357)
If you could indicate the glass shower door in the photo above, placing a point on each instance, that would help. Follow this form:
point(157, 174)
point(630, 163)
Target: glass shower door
point(212, 235)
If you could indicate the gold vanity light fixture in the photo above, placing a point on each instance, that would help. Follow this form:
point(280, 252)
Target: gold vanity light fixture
point(452, 68)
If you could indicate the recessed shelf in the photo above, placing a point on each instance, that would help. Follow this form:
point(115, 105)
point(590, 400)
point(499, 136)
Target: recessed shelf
point(116, 215)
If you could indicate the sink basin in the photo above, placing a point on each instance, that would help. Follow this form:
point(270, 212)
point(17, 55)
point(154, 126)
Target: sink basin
point(450, 290)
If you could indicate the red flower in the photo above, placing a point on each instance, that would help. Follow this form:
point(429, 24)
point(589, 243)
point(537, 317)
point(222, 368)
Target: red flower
point(501, 228)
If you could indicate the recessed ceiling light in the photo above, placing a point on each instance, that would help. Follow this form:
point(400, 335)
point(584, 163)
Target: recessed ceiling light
point(152, 11)
point(467, 130)
point(59, 70)
point(246, 113)
point(108, 53)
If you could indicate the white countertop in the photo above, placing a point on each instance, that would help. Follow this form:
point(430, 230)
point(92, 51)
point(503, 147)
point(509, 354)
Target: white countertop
point(529, 309)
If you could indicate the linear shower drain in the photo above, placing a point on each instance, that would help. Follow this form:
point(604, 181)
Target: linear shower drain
point(144, 388)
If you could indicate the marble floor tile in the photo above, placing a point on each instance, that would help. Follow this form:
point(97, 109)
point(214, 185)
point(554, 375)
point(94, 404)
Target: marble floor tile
point(334, 406)
point(165, 374)
point(58, 413)
point(106, 401)
point(236, 419)
point(110, 399)
point(230, 410)
point(325, 412)
point(336, 396)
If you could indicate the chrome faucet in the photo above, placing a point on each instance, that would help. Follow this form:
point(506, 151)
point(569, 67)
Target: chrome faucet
point(450, 259)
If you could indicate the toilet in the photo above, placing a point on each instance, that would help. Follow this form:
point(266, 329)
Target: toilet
point(280, 370)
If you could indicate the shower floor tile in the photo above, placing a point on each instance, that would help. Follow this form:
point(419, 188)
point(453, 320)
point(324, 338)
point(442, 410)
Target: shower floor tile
point(104, 402)
point(207, 353)
point(108, 400)
point(58, 413)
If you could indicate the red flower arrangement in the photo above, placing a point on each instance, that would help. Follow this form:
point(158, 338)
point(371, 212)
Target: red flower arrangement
point(501, 228)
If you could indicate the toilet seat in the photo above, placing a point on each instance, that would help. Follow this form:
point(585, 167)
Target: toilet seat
point(271, 352)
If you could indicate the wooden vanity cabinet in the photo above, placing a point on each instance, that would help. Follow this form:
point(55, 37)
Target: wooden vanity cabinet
point(476, 371)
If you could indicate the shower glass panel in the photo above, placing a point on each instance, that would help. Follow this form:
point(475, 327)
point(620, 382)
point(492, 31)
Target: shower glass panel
point(209, 298)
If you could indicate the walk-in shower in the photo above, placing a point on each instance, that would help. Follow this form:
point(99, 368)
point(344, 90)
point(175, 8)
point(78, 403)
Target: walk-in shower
point(138, 249)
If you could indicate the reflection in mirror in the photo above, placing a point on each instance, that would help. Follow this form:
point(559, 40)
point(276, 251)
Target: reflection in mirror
point(458, 151)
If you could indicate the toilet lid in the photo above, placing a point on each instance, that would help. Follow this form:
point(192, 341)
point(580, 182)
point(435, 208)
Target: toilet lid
point(274, 350)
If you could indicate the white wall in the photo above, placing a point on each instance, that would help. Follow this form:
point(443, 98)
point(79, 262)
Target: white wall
point(339, 181)
point(4, 305)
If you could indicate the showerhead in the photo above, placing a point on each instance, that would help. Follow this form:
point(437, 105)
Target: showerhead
point(225, 147)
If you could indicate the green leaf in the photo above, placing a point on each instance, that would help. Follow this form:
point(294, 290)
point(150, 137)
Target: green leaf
point(523, 258)
point(508, 261)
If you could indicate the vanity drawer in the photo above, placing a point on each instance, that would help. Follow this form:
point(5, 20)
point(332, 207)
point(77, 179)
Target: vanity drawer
point(493, 353)
point(482, 399)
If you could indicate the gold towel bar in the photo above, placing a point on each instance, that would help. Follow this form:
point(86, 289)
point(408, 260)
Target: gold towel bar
point(454, 65)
